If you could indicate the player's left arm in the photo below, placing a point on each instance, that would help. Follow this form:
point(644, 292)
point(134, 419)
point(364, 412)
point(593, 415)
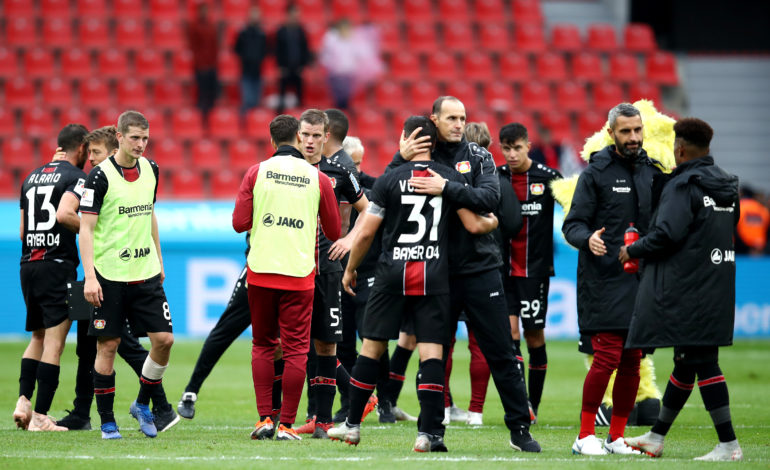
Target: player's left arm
point(67, 212)
point(21, 226)
point(342, 246)
point(477, 224)
point(366, 229)
point(156, 239)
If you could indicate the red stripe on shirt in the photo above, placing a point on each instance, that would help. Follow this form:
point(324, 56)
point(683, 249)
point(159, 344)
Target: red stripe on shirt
point(37, 254)
point(414, 278)
point(519, 248)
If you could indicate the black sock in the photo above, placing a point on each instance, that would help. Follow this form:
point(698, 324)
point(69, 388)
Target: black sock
point(147, 388)
point(362, 383)
point(538, 364)
point(104, 392)
point(47, 382)
point(678, 390)
point(430, 394)
point(383, 377)
point(325, 388)
point(310, 373)
point(343, 383)
point(159, 400)
point(277, 385)
point(398, 363)
point(28, 377)
point(716, 399)
point(84, 390)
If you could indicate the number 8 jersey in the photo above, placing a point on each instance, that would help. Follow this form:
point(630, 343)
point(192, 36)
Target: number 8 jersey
point(44, 238)
point(415, 237)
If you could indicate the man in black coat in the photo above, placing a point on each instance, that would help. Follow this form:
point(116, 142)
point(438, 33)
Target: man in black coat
point(292, 53)
point(686, 294)
point(612, 193)
point(251, 48)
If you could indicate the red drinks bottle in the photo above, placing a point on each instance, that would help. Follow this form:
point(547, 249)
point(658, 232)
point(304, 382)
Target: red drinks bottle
point(631, 235)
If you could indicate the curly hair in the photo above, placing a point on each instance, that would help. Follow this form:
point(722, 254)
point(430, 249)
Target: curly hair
point(694, 131)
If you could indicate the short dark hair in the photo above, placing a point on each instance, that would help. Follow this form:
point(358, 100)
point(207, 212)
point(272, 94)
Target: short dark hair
point(283, 129)
point(694, 131)
point(104, 135)
point(478, 132)
point(71, 137)
point(132, 119)
point(314, 117)
point(512, 132)
point(440, 102)
point(622, 109)
point(338, 124)
point(428, 128)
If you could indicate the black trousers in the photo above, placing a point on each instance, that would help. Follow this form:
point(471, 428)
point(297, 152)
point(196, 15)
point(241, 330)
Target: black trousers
point(352, 315)
point(233, 322)
point(481, 297)
point(293, 78)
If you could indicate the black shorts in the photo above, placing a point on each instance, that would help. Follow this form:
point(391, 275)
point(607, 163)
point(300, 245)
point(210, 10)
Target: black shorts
point(326, 324)
point(143, 304)
point(429, 315)
point(44, 286)
point(696, 355)
point(527, 298)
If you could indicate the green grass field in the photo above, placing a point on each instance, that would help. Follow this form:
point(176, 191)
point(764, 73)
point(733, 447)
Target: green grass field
point(226, 412)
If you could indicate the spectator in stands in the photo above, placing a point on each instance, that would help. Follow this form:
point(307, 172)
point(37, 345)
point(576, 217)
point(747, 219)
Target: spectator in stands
point(339, 56)
point(752, 229)
point(546, 151)
point(251, 49)
point(292, 52)
point(203, 39)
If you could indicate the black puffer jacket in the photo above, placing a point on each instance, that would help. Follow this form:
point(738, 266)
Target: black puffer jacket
point(612, 192)
point(687, 289)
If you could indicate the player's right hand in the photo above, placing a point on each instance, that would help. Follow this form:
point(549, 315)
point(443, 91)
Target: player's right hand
point(411, 146)
point(349, 281)
point(596, 244)
point(92, 291)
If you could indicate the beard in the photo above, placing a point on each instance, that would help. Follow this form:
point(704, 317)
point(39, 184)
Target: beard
point(628, 152)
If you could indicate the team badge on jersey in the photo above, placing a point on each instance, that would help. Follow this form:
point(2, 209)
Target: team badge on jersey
point(463, 167)
point(334, 182)
point(537, 189)
point(100, 324)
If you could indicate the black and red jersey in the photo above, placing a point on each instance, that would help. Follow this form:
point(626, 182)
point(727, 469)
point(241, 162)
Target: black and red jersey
point(415, 235)
point(530, 253)
point(41, 192)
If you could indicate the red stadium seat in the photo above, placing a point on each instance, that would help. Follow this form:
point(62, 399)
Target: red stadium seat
point(315, 33)
point(17, 8)
point(587, 67)
point(7, 123)
point(225, 184)
point(602, 38)
point(606, 95)
point(76, 64)
point(108, 116)
point(157, 121)
point(258, 124)
point(645, 91)
point(371, 125)
point(8, 185)
point(57, 93)
point(130, 34)
point(529, 38)
point(477, 67)
point(661, 68)
point(442, 66)
point(131, 94)
point(224, 124)
point(536, 96)
point(182, 65)
point(37, 123)
point(19, 93)
point(93, 33)
point(113, 64)
point(95, 94)
point(9, 64)
point(523, 118)
point(566, 38)
point(494, 38)
point(243, 154)
point(168, 35)
point(639, 37)
point(421, 37)
point(559, 125)
point(452, 12)
point(389, 95)
point(498, 96)
point(127, 8)
point(571, 96)
point(422, 95)
point(551, 67)
point(91, 8)
point(168, 153)
point(187, 184)
point(515, 67)
point(39, 63)
point(237, 10)
point(273, 8)
point(58, 33)
point(390, 37)
point(186, 124)
point(169, 94)
point(382, 11)
point(465, 92)
point(418, 11)
point(20, 32)
point(490, 12)
point(206, 155)
point(624, 68)
point(18, 154)
point(229, 68)
point(405, 66)
point(76, 115)
point(149, 64)
point(527, 11)
point(350, 9)
point(590, 123)
point(166, 10)
point(459, 37)
point(55, 8)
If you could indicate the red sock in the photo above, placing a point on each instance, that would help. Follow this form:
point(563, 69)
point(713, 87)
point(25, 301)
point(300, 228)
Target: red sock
point(479, 370)
point(617, 427)
point(587, 422)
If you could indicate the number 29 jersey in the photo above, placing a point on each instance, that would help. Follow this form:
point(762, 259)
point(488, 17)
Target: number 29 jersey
point(415, 237)
point(41, 192)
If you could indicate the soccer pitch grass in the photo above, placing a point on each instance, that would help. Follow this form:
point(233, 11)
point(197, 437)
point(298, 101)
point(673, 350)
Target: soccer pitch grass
point(225, 414)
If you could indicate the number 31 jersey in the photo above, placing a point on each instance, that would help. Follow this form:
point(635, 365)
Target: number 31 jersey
point(41, 192)
point(415, 237)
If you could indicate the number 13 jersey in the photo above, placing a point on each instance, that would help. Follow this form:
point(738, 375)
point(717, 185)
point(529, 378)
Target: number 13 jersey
point(415, 237)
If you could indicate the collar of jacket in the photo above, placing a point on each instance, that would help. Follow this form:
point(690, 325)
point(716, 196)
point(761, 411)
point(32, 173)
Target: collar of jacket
point(605, 156)
point(694, 163)
point(288, 150)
